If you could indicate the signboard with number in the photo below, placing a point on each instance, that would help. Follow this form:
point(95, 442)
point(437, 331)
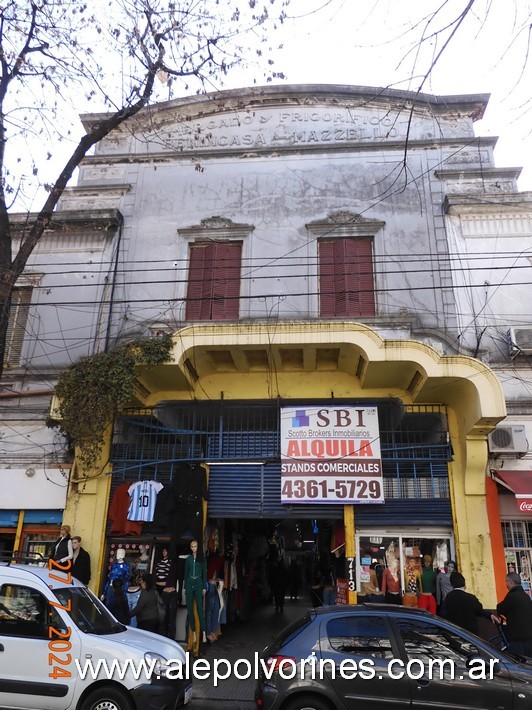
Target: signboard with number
point(330, 455)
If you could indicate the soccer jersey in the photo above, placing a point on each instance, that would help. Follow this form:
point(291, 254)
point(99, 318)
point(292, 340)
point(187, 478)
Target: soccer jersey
point(143, 496)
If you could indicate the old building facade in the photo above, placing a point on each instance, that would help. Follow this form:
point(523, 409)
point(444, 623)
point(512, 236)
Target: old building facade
point(310, 249)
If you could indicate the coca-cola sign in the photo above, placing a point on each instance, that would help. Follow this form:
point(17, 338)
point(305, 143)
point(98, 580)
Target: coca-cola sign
point(525, 506)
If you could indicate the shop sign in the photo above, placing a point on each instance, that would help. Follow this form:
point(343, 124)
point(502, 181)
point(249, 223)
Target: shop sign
point(525, 506)
point(330, 455)
point(365, 568)
point(342, 588)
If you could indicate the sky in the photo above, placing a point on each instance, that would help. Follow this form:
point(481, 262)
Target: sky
point(376, 43)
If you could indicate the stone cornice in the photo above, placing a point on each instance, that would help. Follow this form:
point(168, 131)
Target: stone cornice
point(172, 156)
point(70, 221)
point(472, 105)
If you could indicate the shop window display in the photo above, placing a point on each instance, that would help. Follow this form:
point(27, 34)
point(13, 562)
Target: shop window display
point(517, 537)
point(400, 569)
point(137, 557)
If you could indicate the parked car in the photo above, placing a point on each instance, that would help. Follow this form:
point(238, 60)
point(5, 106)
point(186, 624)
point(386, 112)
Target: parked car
point(398, 652)
point(48, 620)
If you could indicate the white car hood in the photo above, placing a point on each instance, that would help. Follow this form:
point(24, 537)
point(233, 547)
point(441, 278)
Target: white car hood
point(146, 642)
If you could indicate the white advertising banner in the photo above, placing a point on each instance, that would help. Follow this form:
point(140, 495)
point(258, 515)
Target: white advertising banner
point(330, 455)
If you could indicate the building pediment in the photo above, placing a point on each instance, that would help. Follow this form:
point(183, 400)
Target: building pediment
point(292, 117)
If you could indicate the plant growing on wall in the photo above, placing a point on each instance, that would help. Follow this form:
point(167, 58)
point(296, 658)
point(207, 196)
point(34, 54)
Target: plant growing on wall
point(93, 390)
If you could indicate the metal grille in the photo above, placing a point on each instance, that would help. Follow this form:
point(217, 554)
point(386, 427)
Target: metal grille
point(148, 443)
point(517, 534)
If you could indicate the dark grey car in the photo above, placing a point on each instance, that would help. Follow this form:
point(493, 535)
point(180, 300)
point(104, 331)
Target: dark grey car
point(377, 656)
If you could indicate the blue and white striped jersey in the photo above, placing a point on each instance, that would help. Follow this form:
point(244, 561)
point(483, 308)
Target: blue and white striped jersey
point(143, 496)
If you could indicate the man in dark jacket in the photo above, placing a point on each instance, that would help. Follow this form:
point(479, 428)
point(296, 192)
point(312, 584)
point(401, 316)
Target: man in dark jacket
point(463, 608)
point(81, 561)
point(516, 607)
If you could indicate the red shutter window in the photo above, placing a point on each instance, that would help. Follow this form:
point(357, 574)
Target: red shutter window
point(346, 278)
point(214, 281)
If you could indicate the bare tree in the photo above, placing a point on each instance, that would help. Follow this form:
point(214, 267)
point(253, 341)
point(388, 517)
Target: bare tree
point(434, 33)
point(58, 55)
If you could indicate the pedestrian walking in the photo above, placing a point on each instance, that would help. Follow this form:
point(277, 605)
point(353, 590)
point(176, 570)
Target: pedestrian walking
point(516, 608)
point(463, 608)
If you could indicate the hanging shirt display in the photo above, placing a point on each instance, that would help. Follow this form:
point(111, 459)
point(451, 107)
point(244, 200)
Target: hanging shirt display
point(143, 499)
point(118, 511)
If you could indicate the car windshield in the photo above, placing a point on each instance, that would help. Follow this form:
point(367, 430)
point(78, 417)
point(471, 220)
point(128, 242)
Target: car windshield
point(87, 611)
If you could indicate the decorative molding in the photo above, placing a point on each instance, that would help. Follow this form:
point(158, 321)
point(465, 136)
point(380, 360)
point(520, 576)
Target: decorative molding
point(344, 223)
point(88, 198)
point(216, 227)
point(493, 203)
point(72, 221)
point(29, 280)
point(80, 230)
point(498, 225)
point(217, 223)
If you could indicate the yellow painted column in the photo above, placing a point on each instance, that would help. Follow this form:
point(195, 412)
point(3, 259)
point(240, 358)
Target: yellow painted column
point(18, 534)
point(86, 508)
point(350, 553)
point(467, 482)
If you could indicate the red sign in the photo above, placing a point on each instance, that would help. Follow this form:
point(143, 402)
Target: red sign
point(342, 588)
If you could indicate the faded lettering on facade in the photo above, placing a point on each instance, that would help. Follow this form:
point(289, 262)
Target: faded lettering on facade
point(281, 128)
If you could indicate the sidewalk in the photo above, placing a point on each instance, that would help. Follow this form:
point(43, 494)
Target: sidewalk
point(241, 640)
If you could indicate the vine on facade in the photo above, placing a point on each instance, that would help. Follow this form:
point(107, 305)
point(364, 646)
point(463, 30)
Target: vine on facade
point(93, 390)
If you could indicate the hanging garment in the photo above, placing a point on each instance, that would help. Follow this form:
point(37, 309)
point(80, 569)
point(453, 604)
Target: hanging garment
point(118, 509)
point(143, 495)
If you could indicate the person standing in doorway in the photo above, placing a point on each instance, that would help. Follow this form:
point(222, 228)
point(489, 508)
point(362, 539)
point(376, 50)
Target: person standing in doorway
point(81, 561)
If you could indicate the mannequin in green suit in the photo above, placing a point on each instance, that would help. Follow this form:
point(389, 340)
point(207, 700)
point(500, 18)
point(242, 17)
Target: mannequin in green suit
point(195, 580)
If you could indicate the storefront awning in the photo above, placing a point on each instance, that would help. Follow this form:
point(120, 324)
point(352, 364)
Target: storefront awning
point(519, 482)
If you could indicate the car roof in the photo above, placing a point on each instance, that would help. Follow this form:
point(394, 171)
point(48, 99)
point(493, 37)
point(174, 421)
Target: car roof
point(28, 571)
point(375, 608)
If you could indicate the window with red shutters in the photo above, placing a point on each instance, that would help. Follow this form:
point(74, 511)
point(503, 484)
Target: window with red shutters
point(346, 278)
point(214, 281)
